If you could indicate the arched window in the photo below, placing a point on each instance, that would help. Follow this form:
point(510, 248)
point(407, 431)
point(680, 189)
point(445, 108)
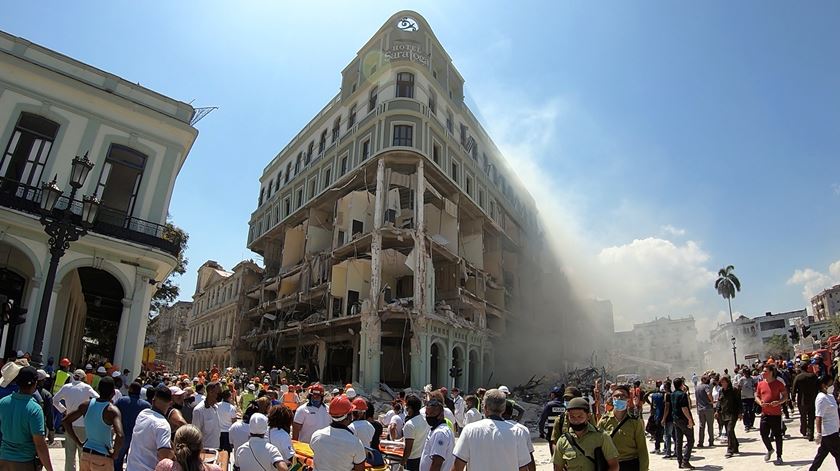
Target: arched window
point(119, 183)
point(28, 150)
point(405, 85)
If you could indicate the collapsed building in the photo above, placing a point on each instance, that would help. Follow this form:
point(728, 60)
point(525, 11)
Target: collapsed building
point(397, 243)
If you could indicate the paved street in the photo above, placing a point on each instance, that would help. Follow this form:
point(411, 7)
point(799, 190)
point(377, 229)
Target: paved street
point(798, 453)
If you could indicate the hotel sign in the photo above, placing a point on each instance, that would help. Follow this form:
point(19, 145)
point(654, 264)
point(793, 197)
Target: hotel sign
point(406, 51)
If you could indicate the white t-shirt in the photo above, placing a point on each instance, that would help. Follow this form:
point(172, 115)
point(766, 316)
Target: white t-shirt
point(363, 430)
point(460, 406)
point(440, 442)
point(336, 449)
point(74, 394)
point(283, 441)
point(227, 412)
point(206, 419)
point(530, 443)
point(493, 444)
point(472, 415)
point(238, 434)
point(416, 429)
point(151, 433)
point(398, 421)
point(827, 409)
point(310, 419)
point(257, 455)
point(387, 419)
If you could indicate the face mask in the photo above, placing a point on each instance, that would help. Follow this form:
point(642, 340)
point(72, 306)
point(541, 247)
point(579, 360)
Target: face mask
point(620, 404)
point(433, 421)
point(577, 427)
point(315, 403)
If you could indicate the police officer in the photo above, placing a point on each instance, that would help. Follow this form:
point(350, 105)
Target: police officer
point(553, 409)
point(576, 449)
point(561, 425)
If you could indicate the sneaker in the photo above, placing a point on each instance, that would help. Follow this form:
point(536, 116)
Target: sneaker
point(686, 465)
point(778, 461)
point(768, 455)
point(666, 456)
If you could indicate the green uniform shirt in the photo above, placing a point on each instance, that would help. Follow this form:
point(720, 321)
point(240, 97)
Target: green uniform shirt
point(557, 431)
point(566, 454)
point(629, 440)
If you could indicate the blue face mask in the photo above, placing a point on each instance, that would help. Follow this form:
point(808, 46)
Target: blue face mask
point(620, 404)
point(315, 403)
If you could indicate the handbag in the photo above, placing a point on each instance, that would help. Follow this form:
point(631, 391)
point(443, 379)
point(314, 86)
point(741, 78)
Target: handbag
point(599, 460)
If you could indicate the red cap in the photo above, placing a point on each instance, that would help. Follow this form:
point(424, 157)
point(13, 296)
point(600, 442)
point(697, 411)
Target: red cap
point(340, 406)
point(359, 404)
point(316, 388)
point(64, 362)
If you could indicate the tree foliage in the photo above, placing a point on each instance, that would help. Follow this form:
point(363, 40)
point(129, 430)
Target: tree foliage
point(778, 345)
point(168, 290)
point(727, 284)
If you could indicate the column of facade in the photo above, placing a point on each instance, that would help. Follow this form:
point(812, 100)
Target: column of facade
point(138, 315)
point(48, 329)
point(122, 332)
point(371, 328)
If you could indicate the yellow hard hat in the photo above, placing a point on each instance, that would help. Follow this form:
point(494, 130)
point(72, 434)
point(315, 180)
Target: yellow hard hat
point(805, 357)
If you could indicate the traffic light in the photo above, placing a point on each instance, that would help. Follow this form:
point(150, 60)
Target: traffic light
point(806, 331)
point(455, 372)
point(794, 335)
point(10, 313)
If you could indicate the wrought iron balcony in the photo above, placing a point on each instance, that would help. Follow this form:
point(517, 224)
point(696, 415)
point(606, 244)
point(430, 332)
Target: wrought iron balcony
point(109, 222)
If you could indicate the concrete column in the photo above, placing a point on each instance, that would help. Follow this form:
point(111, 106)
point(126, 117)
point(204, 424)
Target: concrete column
point(48, 330)
point(322, 358)
point(419, 354)
point(420, 295)
point(371, 328)
point(138, 320)
point(122, 332)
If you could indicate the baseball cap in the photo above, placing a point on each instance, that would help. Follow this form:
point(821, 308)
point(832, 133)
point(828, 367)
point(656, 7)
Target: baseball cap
point(20, 354)
point(79, 374)
point(175, 390)
point(27, 376)
point(42, 375)
point(258, 425)
point(504, 389)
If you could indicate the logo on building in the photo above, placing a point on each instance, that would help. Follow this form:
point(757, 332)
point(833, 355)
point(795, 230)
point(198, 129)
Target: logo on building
point(407, 23)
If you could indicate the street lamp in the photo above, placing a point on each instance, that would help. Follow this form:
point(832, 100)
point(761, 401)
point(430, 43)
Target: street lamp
point(63, 226)
point(734, 355)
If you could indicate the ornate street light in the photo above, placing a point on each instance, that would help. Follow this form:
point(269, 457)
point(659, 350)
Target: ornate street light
point(63, 226)
point(734, 355)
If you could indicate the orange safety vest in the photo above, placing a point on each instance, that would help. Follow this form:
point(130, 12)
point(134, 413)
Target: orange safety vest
point(290, 400)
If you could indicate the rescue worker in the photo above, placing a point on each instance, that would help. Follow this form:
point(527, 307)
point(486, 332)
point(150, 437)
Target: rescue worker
point(290, 398)
point(576, 449)
point(552, 410)
point(335, 446)
point(62, 375)
point(311, 417)
point(626, 431)
point(360, 426)
point(561, 425)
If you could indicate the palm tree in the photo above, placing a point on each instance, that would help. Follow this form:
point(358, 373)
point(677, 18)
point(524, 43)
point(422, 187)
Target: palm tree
point(726, 285)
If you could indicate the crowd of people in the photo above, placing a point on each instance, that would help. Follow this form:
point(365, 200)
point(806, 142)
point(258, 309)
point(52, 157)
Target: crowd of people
point(177, 422)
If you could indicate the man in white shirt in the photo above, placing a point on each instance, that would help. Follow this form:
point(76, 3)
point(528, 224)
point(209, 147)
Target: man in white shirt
point(151, 438)
point(472, 414)
point(396, 422)
point(492, 443)
point(311, 417)
point(334, 447)
point(415, 430)
point(227, 416)
point(257, 454)
point(440, 442)
point(827, 425)
point(74, 394)
point(460, 408)
point(360, 426)
point(206, 417)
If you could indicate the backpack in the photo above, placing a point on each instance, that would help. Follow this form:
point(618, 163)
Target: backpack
point(599, 460)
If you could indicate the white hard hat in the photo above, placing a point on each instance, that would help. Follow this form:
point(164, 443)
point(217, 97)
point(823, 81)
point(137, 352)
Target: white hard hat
point(504, 389)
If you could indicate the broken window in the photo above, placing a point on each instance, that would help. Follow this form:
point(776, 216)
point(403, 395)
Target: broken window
point(405, 85)
point(403, 135)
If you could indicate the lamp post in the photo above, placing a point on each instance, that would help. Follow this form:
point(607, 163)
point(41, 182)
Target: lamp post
point(734, 354)
point(63, 226)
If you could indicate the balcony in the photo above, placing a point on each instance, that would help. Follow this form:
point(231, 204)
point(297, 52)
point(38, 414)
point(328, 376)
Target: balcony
point(109, 222)
point(207, 344)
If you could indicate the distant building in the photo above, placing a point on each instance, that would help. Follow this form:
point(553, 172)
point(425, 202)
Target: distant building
point(826, 304)
point(751, 336)
point(663, 345)
point(216, 323)
point(167, 334)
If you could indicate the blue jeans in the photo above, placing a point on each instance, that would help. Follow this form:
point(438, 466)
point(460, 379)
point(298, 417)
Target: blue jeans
point(669, 433)
point(118, 463)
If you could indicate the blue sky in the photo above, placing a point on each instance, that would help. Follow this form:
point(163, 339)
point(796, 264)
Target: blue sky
point(662, 139)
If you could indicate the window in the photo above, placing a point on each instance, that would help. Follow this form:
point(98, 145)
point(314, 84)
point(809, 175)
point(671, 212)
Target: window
point(268, 190)
point(468, 184)
point(262, 195)
point(342, 168)
point(453, 171)
point(309, 153)
point(449, 122)
point(436, 153)
point(28, 150)
point(432, 102)
point(327, 177)
point(323, 142)
point(313, 185)
point(336, 128)
point(405, 85)
point(365, 150)
point(119, 183)
point(374, 92)
point(402, 135)
point(297, 162)
point(299, 198)
point(481, 197)
point(287, 207)
point(463, 134)
point(351, 118)
point(277, 182)
point(288, 172)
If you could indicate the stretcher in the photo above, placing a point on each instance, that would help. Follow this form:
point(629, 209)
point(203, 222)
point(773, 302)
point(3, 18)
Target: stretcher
point(304, 459)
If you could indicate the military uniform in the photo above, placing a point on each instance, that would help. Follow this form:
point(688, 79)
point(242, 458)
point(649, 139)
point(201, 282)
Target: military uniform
point(629, 439)
point(561, 426)
point(568, 455)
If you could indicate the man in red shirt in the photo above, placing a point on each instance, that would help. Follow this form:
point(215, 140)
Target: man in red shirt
point(770, 394)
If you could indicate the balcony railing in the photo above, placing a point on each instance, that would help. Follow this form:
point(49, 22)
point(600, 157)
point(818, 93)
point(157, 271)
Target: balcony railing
point(109, 222)
point(207, 344)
